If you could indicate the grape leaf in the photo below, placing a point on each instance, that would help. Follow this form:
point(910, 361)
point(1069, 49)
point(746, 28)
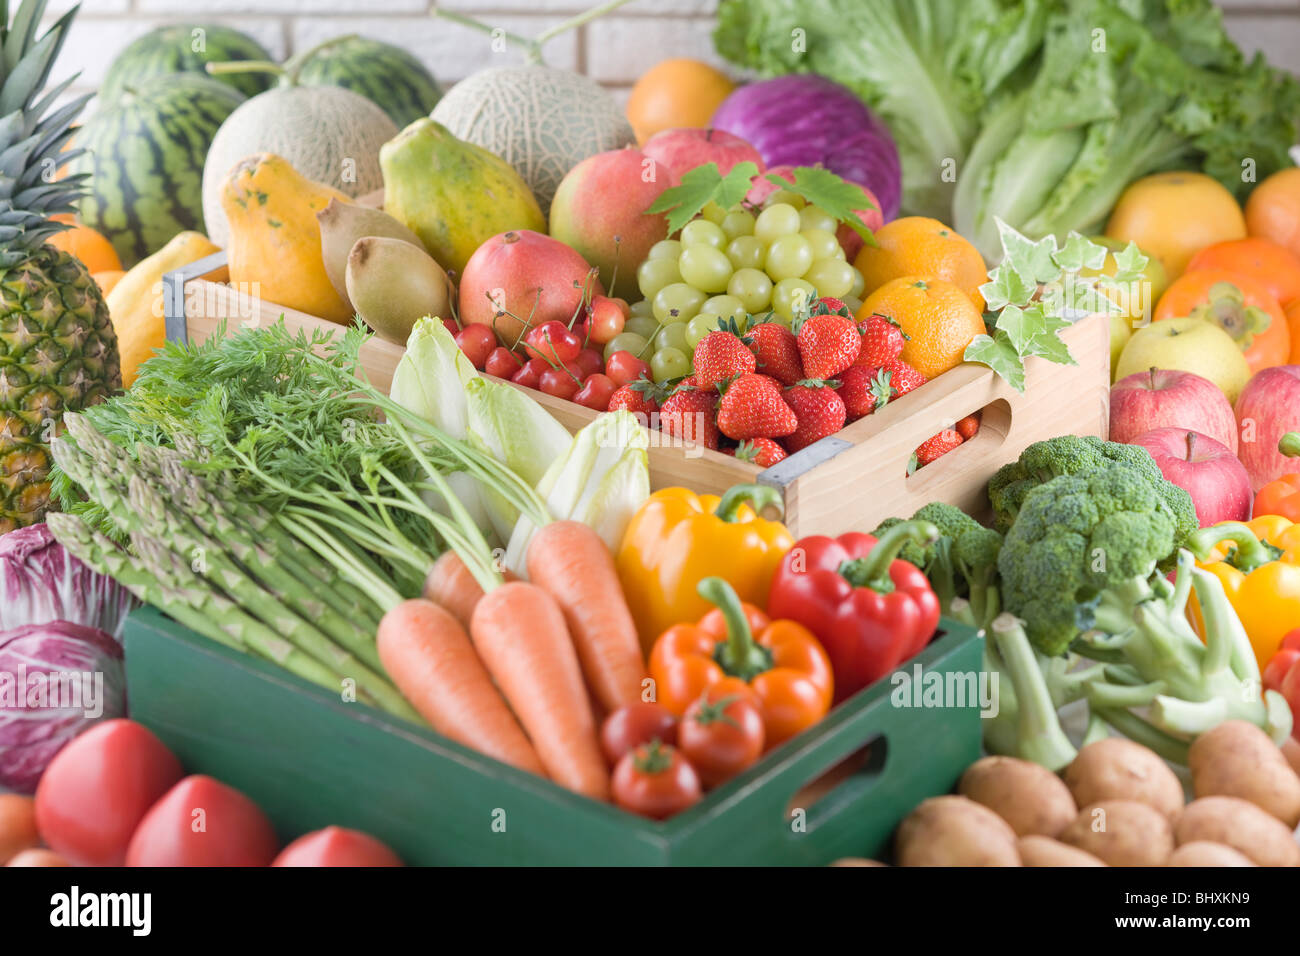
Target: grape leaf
point(834, 196)
point(699, 187)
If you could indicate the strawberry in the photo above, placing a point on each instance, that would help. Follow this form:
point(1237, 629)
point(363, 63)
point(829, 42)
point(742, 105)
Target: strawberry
point(777, 352)
point(688, 414)
point(968, 426)
point(752, 407)
point(828, 344)
point(936, 447)
point(882, 340)
point(829, 305)
point(719, 356)
point(820, 411)
point(763, 452)
point(863, 390)
point(903, 377)
point(639, 397)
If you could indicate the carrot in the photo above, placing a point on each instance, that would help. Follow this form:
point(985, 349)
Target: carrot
point(572, 563)
point(520, 634)
point(430, 658)
point(451, 586)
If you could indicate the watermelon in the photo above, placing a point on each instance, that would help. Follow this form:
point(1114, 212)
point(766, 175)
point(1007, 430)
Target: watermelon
point(145, 154)
point(185, 48)
point(388, 76)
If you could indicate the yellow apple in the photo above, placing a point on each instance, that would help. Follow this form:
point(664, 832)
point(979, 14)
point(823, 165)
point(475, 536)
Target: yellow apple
point(1190, 345)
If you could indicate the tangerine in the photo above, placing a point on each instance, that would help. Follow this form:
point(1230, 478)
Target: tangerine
point(936, 315)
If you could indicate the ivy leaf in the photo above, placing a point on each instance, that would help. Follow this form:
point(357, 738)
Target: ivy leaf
point(1035, 261)
point(997, 352)
point(1079, 252)
point(834, 196)
point(1006, 287)
point(1130, 263)
point(699, 187)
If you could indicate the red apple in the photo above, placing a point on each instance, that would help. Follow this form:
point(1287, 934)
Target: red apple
point(1168, 398)
point(1206, 469)
point(681, 150)
point(1267, 408)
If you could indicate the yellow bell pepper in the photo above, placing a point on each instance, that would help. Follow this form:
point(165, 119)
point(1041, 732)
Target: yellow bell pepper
point(678, 538)
point(1258, 563)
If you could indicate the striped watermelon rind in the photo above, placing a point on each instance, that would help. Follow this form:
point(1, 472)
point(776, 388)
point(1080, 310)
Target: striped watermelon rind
point(186, 48)
point(387, 75)
point(145, 154)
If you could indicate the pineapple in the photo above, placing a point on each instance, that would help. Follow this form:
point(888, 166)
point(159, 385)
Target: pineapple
point(58, 352)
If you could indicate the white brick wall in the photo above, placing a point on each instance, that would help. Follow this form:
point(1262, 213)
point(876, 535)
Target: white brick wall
point(614, 49)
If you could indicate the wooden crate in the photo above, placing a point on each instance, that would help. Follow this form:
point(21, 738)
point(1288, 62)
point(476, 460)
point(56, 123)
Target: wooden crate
point(848, 481)
point(310, 760)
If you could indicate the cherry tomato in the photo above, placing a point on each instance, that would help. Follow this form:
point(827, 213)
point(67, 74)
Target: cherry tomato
point(335, 846)
point(590, 362)
point(554, 341)
point(721, 734)
point(502, 363)
point(562, 382)
point(606, 320)
point(656, 781)
point(477, 342)
point(530, 375)
point(625, 368)
point(201, 822)
point(1279, 665)
point(595, 392)
point(633, 725)
point(99, 787)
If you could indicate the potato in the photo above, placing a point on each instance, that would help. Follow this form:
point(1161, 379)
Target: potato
point(1028, 796)
point(955, 831)
point(1044, 851)
point(1241, 825)
point(1122, 833)
point(856, 861)
point(17, 825)
point(1205, 853)
point(1117, 769)
point(1237, 759)
point(1291, 751)
point(37, 858)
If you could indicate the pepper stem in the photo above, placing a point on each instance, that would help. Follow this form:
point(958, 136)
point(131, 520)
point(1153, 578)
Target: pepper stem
point(1290, 445)
point(758, 497)
point(1248, 552)
point(873, 570)
point(740, 656)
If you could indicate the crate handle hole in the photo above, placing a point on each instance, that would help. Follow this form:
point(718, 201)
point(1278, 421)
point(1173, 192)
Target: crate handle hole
point(986, 443)
point(857, 770)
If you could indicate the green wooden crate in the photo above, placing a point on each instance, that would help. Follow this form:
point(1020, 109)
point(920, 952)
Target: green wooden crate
point(310, 759)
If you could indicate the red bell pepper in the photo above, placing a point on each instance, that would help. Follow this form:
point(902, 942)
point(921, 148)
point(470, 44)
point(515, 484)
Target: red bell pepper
point(870, 610)
point(1283, 674)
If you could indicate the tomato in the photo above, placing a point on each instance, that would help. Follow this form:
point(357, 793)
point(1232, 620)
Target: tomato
point(590, 362)
point(553, 341)
point(530, 374)
point(595, 392)
point(607, 318)
point(17, 825)
point(98, 787)
point(721, 734)
point(502, 363)
point(202, 822)
point(625, 368)
point(655, 781)
point(335, 846)
point(1290, 689)
point(633, 725)
point(477, 341)
point(1278, 667)
point(562, 382)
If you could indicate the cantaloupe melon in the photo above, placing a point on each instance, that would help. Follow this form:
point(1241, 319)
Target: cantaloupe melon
point(541, 120)
point(330, 135)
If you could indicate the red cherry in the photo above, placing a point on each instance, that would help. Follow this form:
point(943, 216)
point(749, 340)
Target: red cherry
point(451, 326)
point(606, 320)
point(624, 368)
point(562, 382)
point(477, 342)
point(554, 341)
point(502, 363)
point(590, 362)
point(530, 375)
point(595, 392)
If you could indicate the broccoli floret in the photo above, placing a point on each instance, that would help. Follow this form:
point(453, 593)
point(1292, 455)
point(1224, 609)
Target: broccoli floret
point(911, 552)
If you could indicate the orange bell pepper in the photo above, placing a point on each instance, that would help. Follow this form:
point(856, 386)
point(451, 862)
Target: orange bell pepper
point(1282, 497)
point(738, 649)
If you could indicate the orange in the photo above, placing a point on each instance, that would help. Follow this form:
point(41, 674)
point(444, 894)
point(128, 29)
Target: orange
point(917, 246)
point(938, 318)
point(107, 279)
point(1293, 322)
point(96, 252)
point(1273, 209)
point(1240, 305)
point(1172, 215)
point(1276, 266)
point(676, 93)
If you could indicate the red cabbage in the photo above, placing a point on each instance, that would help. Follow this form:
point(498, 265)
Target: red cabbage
point(56, 680)
point(807, 120)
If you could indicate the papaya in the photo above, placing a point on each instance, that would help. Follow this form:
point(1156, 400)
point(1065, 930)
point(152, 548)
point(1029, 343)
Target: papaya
point(452, 194)
point(135, 301)
point(274, 249)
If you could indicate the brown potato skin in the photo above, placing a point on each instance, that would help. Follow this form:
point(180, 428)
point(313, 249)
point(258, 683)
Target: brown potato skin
point(1241, 825)
point(1291, 751)
point(1205, 853)
point(1118, 769)
point(955, 831)
point(856, 861)
point(1028, 796)
point(1237, 759)
point(1037, 850)
point(1135, 834)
